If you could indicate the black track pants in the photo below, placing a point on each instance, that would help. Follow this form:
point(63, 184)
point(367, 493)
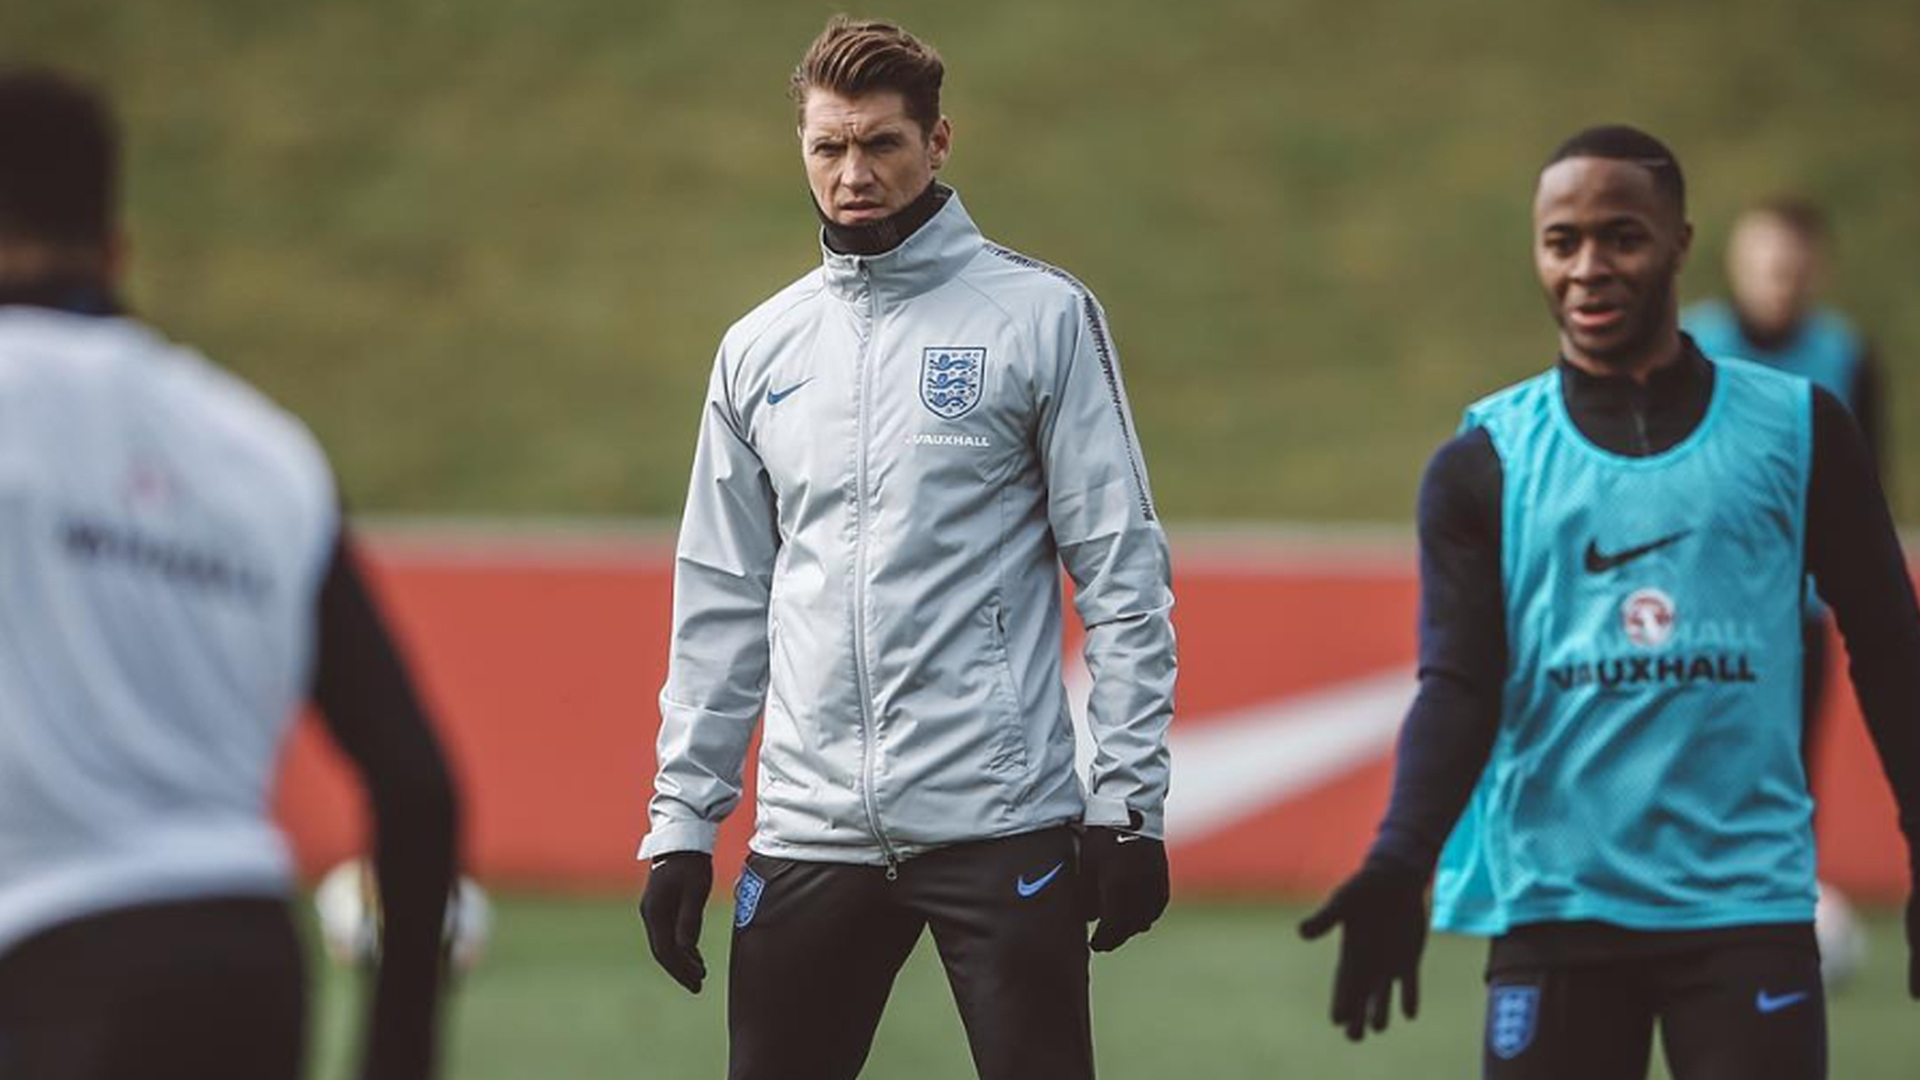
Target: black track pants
point(213, 990)
point(1728, 1012)
point(816, 947)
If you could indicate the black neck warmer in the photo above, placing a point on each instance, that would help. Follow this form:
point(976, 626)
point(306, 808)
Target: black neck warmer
point(880, 237)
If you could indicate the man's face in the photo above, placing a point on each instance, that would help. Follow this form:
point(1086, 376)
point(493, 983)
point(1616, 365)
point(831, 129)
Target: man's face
point(866, 158)
point(1608, 247)
point(1773, 271)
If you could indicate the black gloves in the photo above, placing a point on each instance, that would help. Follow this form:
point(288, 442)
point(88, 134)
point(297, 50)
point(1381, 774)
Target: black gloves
point(1123, 883)
point(676, 895)
point(1383, 912)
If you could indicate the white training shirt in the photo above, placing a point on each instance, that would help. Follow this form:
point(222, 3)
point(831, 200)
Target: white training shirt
point(163, 532)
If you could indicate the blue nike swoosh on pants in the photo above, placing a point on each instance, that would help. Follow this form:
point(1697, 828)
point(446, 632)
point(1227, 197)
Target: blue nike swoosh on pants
point(1769, 1004)
point(1026, 888)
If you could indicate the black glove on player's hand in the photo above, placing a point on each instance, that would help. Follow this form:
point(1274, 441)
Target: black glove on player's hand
point(1382, 911)
point(1123, 883)
point(676, 895)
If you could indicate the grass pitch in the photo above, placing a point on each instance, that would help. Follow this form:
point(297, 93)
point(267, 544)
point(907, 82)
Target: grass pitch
point(1215, 992)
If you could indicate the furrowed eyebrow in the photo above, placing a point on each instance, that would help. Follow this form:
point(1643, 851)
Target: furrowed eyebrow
point(883, 137)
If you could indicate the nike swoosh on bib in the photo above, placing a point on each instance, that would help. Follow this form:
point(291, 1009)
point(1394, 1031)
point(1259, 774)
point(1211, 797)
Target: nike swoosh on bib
point(775, 397)
point(1027, 888)
point(1769, 1004)
point(1598, 563)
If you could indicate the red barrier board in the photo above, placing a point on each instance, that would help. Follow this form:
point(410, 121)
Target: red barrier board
point(543, 660)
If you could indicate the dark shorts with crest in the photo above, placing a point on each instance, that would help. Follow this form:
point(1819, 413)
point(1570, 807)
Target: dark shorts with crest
point(212, 989)
point(816, 947)
point(1583, 1002)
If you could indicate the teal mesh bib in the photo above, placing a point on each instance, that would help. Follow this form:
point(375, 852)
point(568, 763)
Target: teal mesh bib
point(1647, 771)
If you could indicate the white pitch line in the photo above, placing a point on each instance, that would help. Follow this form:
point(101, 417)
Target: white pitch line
point(1236, 765)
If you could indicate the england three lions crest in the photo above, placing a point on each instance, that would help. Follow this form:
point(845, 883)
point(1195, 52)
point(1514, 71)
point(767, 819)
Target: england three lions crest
point(950, 380)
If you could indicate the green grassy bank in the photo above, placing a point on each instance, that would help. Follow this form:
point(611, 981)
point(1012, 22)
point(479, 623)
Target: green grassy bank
point(488, 247)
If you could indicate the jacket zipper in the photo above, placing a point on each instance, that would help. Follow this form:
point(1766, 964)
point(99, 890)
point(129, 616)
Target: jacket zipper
point(861, 676)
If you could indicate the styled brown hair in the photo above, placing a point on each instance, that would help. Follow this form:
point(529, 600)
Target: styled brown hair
point(852, 57)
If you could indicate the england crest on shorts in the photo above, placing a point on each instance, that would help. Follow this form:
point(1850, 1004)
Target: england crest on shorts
point(746, 896)
point(1513, 1013)
point(950, 380)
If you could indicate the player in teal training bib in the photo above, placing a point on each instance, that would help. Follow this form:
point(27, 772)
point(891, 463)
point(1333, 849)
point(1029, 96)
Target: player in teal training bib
point(1776, 262)
point(1647, 769)
point(1602, 770)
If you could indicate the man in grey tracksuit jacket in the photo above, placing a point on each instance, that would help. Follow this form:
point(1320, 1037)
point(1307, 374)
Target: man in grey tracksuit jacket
point(897, 453)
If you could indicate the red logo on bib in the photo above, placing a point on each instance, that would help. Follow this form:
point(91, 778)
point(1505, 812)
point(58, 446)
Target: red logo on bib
point(1647, 617)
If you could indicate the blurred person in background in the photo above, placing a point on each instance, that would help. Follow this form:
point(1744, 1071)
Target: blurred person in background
point(175, 579)
point(897, 453)
point(1603, 759)
point(1778, 261)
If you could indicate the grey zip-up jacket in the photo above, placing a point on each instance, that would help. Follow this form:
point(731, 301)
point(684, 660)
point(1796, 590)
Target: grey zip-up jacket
point(896, 455)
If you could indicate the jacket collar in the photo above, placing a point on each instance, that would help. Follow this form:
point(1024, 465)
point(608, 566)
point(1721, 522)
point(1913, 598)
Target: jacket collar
point(923, 261)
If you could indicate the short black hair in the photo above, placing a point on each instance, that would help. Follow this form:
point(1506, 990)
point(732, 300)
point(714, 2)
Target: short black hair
point(59, 159)
point(1620, 142)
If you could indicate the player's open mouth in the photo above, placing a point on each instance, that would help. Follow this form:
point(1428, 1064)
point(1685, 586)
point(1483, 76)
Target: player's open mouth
point(1596, 315)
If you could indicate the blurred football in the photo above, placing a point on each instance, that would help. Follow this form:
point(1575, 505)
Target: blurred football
point(347, 903)
point(1843, 940)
